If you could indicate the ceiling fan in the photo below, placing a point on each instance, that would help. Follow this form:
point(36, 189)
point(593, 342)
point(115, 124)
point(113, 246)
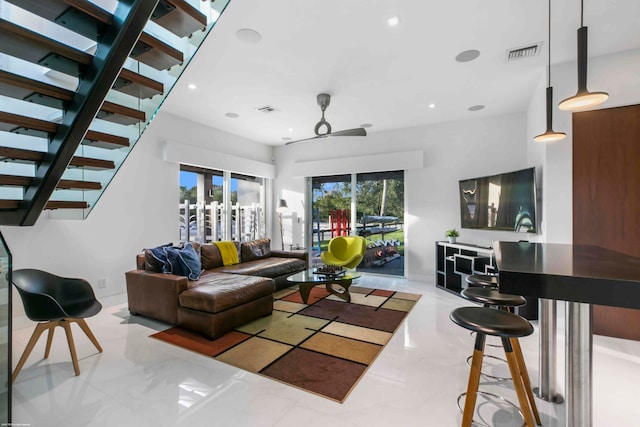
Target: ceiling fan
point(324, 100)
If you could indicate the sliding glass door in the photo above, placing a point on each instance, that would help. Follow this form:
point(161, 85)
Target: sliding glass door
point(331, 210)
point(367, 204)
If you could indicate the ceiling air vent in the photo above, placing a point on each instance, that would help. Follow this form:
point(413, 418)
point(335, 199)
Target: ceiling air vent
point(523, 52)
point(267, 109)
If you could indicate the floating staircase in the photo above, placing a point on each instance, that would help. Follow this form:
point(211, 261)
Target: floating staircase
point(79, 82)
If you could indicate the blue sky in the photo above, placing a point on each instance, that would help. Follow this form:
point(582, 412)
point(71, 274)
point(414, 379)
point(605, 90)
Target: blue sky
point(189, 179)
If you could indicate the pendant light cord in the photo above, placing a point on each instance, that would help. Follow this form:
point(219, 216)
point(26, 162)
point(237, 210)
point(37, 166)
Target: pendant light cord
point(549, 46)
point(582, 13)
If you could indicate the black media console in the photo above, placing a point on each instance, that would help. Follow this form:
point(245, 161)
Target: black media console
point(456, 261)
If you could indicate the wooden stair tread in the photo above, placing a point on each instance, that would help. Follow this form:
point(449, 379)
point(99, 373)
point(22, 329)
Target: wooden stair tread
point(104, 140)
point(120, 114)
point(137, 85)
point(15, 181)
point(91, 164)
point(19, 87)
point(156, 53)
point(51, 204)
point(65, 204)
point(55, 11)
point(23, 125)
point(69, 184)
point(33, 47)
point(63, 184)
point(179, 17)
point(7, 153)
point(10, 122)
point(90, 20)
point(10, 204)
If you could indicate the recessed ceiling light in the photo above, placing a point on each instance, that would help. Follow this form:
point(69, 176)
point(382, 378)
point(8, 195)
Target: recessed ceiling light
point(476, 107)
point(366, 125)
point(248, 35)
point(467, 55)
point(192, 86)
point(232, 115)
point(432, 105)
point(290, 129)
point(286, 138)
point(393, 21)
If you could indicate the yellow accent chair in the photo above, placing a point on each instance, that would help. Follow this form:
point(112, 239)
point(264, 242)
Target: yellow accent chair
point(346, 251)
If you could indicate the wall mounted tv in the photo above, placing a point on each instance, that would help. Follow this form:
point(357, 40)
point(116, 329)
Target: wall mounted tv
point(506, 201)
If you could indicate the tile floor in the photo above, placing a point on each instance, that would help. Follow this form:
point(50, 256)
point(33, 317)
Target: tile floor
point(139, 381)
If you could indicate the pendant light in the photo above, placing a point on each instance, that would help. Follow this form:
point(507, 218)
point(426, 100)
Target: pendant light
point(583, 99)
point(550, 135)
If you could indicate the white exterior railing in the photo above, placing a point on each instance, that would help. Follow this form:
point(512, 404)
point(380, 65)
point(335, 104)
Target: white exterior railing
point(207, 223)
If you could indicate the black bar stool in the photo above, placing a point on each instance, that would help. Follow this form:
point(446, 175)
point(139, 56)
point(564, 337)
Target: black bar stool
point(509, 327)
point(483, 280)
point(492, 298)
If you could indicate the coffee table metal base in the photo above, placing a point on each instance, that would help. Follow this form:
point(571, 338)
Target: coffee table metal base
point(341, 290)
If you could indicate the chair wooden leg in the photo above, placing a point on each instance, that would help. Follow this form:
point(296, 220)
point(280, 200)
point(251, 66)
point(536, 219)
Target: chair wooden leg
point(40, 328)
point(52, 329)
point(517, 382)
point(85, 328)
point(474, 381)
point(517, 350)
point(72, 349)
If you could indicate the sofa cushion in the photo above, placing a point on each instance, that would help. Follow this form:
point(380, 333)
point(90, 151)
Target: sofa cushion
point(225, 291)
point(267, 267)
point(210, 256)
point(255, 249)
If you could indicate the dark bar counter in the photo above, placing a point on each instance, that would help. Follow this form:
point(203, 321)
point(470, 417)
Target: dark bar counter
point(580, 275)
point(586, 274)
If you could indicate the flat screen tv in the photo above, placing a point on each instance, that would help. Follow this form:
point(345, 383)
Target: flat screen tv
point(506, 201)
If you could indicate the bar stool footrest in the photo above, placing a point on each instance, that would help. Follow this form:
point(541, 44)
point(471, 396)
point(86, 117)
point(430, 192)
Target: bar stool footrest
point(493, 395)
point(493, 377)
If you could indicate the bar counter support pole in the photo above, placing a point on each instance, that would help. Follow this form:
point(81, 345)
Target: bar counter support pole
point(579, 365)
point(547, 378)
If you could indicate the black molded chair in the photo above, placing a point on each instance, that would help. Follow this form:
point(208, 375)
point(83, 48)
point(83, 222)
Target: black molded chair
point(55, 301)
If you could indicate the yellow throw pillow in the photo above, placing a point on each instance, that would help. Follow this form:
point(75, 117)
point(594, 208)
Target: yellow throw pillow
point(228, 251)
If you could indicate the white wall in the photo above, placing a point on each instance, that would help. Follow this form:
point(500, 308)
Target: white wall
point(452, 151)
point(616, 74)
point(138, 209)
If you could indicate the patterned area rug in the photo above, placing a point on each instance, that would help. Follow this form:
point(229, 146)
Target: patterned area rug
point(323, 347)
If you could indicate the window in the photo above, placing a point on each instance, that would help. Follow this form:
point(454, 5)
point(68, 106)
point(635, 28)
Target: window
point(205, 216)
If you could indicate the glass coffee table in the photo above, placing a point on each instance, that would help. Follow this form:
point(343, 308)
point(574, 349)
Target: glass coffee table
point(337, 285)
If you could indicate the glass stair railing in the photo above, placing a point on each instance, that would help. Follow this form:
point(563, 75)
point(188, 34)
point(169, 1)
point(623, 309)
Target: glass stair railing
point(5, 333)
point(49, 53)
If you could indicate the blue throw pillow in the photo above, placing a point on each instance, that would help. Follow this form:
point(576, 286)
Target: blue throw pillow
point(189, 261)
point(173, 262)
point(159, 255)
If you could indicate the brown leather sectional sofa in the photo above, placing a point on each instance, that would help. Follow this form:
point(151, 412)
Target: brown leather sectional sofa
point(223, 298)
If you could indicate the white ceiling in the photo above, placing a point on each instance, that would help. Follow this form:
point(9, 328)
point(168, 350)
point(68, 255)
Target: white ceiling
point(378, 74)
